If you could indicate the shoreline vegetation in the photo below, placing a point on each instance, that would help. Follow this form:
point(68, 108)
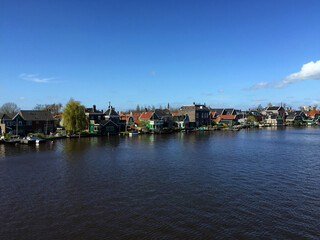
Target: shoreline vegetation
point(43, 138)
point(52, 121)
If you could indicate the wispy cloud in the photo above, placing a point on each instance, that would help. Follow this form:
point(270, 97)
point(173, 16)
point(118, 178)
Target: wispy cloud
point(35, 78)
point(309, 71)
point(259, 100)
point(221, 91)
point(21, 98)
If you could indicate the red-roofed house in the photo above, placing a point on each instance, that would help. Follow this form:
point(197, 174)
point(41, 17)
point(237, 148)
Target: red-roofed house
point(136, 116)
point(228, 119)
point(151, 120)
point(313, 114)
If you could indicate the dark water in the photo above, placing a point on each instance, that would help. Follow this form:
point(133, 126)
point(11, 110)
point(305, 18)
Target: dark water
point(257, 184)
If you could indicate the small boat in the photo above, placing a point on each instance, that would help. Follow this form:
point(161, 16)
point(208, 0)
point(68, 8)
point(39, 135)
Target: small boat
point(135, 133)
point(37, 140)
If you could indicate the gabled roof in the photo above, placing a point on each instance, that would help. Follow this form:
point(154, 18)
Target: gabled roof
point(179, 118)
point(293, 116)
point(36, 115)
point(110, 111)
point(105, 122)
point(163, 112)
point(229, 111)
point(124, 116)
point(136, 116)
point(4, 116)
point(312, 113)
point(146, 115)
point(273, 108)
point(227, 116)
point(7, 115)
point(218, 111)
point(213, 114)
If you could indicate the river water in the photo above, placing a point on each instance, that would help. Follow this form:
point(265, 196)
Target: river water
point(252, 184)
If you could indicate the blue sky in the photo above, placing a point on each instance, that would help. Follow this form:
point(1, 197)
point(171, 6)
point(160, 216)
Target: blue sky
point(223, 53)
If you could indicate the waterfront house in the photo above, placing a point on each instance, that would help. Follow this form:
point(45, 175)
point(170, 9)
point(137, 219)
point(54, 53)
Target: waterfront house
point(151, 121)
point(294, 116)
point(94, 115)
point(136, 116)
point(230, 120)
point(274, 119)
point(166, 116)
point(37, 121)
point(198, 114)
point(180, 121)
point(274, 111)
point(126, 121)
point(104, 123)
point(6, 123)
point(313, 114)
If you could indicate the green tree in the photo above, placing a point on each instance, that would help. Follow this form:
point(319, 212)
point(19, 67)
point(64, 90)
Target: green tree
point(251, 119)
point(9, 108)
point(73, 116)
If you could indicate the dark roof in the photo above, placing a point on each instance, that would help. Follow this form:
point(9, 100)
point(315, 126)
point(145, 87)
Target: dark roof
point(91, 110)
point(163, 112)
point(273, 108)
point(293, 116)
point(104, 122)
point(35, 115)
point(178, 118)
point(111, 111)
point(218, 111)
point(194, 107)
point(7, 115)
point(229, 111)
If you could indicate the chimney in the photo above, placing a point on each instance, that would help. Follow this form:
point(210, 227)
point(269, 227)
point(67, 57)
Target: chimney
point(94, 108)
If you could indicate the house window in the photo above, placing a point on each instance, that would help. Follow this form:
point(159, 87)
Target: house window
point(29, 123)
point(20, 123)
point(99, 118)
point(197, 115)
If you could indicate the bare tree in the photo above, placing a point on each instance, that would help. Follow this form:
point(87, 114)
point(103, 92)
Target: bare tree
point(315, 106)
point(9, 108)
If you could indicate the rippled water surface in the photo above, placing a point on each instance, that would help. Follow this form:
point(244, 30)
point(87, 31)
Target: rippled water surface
point(257, 184)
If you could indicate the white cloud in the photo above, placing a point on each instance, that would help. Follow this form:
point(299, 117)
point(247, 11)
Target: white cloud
point(309, 71)
point(221, 91)
point(21, 98)
point(35, 78)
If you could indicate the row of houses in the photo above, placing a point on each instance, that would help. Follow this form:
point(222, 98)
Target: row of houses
point(190, 116)
point(110, 121)
point(27, 121)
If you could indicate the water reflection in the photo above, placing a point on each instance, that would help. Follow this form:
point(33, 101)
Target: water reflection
point(224, 185)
